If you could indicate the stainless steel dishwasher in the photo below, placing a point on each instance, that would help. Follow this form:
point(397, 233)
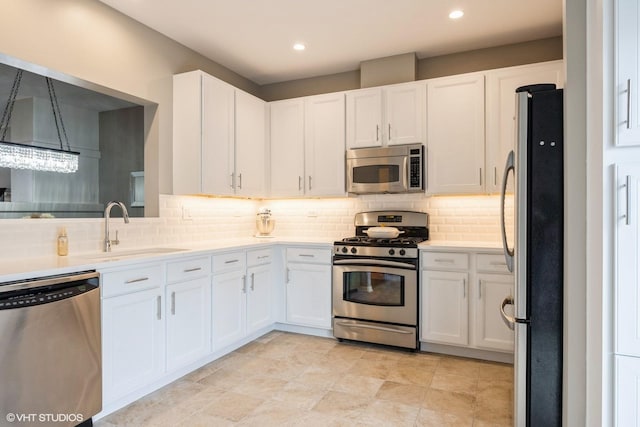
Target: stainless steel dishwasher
point(50, 350)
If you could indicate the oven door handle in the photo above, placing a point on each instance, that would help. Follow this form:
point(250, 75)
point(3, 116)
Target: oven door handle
point(374, 263)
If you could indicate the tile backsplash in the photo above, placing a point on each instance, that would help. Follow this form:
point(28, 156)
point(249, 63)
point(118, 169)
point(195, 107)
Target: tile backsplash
point(193, 219)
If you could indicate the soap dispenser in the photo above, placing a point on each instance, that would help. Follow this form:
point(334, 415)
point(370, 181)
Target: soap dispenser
point(63, 242)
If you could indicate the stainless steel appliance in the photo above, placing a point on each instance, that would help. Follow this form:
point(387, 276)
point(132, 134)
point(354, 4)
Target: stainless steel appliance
point(395, 169)
point(536, 255)
point(375, 280)
point(50, 362)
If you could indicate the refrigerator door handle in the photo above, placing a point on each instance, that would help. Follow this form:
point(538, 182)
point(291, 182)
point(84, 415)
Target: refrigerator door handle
point(508, 253)
point(510, 321)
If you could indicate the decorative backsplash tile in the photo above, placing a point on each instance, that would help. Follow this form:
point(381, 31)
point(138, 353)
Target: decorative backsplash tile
point(194, 219)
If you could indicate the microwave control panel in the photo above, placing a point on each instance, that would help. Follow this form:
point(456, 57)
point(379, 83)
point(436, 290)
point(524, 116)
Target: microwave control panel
point(415, 168)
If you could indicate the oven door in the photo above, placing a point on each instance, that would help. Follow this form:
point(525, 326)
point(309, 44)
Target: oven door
point(376, 290)
point(377, 175)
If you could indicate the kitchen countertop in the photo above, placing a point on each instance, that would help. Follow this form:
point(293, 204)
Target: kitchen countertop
point(20, 269)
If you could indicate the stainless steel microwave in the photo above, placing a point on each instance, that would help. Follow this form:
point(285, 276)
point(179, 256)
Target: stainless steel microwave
point(395, 169)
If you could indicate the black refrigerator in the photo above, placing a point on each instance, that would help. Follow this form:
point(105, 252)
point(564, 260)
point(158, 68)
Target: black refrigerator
point(533, 248)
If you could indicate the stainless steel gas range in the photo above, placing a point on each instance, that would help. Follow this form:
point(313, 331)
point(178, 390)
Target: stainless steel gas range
point(375, 280)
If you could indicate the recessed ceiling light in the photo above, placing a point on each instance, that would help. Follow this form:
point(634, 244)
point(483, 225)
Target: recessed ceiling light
point(299, 46)
point(456, 14)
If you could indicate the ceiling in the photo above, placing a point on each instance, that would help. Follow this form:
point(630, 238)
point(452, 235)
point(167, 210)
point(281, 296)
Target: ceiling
point(254, 38)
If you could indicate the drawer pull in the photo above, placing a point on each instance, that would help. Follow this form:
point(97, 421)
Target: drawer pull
point(504, 263)
point(191, 270)
point(448, 260)
point(173, 303)
point(159, 307)
point(253, 281)
point(140, 279)
point(263, 256)
point(307, 255)
point(231, 261)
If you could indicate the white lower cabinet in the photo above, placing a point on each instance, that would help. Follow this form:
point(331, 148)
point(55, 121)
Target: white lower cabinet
point(627, 391)
point(133, 329)
point(445, 307)
point(308, 287)
point(241, 296)
point(461, 294)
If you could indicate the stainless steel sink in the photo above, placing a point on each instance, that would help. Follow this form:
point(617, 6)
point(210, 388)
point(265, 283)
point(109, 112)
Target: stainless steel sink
point(117, 255)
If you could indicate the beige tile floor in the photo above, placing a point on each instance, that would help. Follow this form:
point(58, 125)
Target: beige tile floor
point(285, 379)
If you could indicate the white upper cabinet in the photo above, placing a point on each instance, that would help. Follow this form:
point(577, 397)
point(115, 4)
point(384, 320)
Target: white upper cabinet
point(218, 138)
point(250, 145)
point(455, 134)
point(287, 147)
point(307, 146)
point(324, 145)
point(501, 111)
point(364, 118)
point(386, 116)
point(627, 73)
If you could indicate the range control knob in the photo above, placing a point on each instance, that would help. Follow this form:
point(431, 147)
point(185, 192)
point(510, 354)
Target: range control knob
point(354, 250)
point(402, 252)
point(392, 252)
point(344, 249)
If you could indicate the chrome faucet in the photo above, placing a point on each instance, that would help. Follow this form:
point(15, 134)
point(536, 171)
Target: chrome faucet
point(107, 213)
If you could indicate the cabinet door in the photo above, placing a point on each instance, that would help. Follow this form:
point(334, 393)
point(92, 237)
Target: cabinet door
point(627, 295)
point(228, 308)
point(309, 295)
point(455, 134)
point(490, 330)
point(404, 112)
point(444, 305)
point(627, 88)
point(133, 334)
point(364, 118)
point(324, 145)
point(501, 111)
point(188, 311)
point(627, 391)
point(258, 297)
point(250, 145)
point(287, 148)
point(218, 136)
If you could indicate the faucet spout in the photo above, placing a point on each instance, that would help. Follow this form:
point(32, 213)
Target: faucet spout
point(107, 214)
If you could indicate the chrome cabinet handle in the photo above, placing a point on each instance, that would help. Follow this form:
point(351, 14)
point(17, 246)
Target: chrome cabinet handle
point(307, 255)
point(479, 289)
point(480, 176)
point(309, 182)
point(628, 103)
point(510, 321)
point(253, 281)
point(448, 260)
point(159, 308)
point(231, 261)
point(495, 175)
point(627, 220)
point(263, 256)
point(389, 131)
point(287, 276)
point(140, 279)
point(377, 132)
point(464, 288)
point(299, 183)
point(244, 284)
point(191, 270)
point(240, 181)
point(173, 303)
point(497, 263)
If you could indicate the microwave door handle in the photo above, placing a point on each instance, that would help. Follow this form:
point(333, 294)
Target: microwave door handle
point(405, 175)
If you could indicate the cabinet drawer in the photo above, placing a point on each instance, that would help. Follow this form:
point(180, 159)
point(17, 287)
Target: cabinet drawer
point(492, 263)
point(308, 255)
point(188, 269)
point(230, 261)
point(132, 280)
point(258, 257)
point(445, 261)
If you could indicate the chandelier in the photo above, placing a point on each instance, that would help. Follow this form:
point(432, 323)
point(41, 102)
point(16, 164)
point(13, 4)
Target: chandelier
point(23, 156)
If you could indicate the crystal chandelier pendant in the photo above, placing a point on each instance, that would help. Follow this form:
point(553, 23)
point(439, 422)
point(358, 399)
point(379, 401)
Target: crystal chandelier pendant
point(21, 156)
